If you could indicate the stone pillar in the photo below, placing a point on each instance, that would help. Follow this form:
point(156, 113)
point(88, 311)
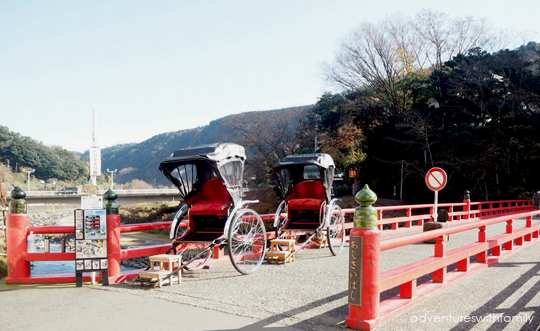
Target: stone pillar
point(364, 263)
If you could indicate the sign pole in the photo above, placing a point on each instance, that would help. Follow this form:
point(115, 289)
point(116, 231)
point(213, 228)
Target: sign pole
point(435, 207)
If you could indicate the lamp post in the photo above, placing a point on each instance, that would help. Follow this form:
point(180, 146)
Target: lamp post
point(29, 172)
point(112, 176)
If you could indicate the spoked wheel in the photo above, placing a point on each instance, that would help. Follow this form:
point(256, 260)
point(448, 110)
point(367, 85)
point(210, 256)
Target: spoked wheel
point(196, 255)
point(247, 241)
point(336, 230)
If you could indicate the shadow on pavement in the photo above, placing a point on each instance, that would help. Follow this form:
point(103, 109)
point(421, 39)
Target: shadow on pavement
point(518, 308)
point(330, 320)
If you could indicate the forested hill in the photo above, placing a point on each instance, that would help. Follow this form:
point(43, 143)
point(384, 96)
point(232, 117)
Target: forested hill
point(141, 161)
point(20, 152)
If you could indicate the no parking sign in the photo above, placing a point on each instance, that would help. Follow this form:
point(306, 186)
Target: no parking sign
point(436, 180)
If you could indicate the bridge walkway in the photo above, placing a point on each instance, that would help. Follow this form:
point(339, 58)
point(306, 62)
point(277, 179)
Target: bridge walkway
point(309, 294)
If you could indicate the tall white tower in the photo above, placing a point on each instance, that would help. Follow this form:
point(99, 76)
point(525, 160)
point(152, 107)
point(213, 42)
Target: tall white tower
point(95, 154)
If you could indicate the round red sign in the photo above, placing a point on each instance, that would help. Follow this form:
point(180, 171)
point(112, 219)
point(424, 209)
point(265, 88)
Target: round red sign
point(436, 179)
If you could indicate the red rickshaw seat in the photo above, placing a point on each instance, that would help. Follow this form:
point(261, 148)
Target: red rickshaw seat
point(305, 204)
point(213, 199)
point(308, 195)
point(210, 208)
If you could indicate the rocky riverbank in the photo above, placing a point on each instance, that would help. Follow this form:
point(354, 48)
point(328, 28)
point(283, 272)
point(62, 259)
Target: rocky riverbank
point(41, 218)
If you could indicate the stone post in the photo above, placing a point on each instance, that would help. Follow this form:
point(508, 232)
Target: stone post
point(364, 263)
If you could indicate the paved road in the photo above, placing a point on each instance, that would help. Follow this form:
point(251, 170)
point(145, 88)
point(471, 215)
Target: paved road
point(309, 294)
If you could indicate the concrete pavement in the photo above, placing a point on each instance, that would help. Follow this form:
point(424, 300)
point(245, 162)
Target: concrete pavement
point(65, 307)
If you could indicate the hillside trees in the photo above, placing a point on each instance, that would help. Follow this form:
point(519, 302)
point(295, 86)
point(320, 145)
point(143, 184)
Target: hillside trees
point(440, 100)
point(270, 136)
point(48, 162)
point(489, 106)
point(477, 117)
point(346, 121)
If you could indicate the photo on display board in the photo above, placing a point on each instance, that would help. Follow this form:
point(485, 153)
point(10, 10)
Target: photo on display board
point(88, 249)
point(104, 264)
point(87, 264)
point(95, 224)
point(79, 265)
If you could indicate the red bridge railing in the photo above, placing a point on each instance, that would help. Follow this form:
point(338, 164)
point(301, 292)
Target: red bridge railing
point(367, 284)
point(18, 227)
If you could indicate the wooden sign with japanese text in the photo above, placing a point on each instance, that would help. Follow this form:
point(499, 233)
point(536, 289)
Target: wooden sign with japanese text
point(355, 270)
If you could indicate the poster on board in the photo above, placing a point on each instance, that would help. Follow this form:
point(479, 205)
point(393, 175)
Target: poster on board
point(91, 250)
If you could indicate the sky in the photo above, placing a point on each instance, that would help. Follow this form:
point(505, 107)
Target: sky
point(149, 67)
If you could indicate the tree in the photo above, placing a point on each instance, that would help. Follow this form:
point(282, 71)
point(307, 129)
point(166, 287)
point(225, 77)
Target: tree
point(272, 136)
point(137, 184)
point(47, 162)
point(380, 55)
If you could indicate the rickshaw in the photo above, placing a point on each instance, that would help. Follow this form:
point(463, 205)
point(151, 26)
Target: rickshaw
point(305, 183)
point(209, 178)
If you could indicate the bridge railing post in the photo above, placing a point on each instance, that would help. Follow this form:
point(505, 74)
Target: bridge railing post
point(364, 263)
point(113, 232)
point(482, 237)
point(509, 229)
point(16, 237)
point(467, 207)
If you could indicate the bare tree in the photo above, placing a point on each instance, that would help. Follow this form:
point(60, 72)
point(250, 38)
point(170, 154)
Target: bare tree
point(380, 55)
point(368, 56)
point(272, 135)
point(444, 38)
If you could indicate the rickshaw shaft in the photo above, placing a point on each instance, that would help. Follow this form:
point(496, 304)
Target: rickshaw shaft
point(319, 230)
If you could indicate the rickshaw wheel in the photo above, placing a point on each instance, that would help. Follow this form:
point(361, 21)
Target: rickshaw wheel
point(283, 223)
point(180, 231)
point(336, 231)
point(246, 241)
point(198, 252)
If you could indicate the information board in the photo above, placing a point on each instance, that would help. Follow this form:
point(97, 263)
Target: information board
point(91, 252)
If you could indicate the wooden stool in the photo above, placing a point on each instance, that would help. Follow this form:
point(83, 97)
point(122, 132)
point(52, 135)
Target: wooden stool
point(320, 242)
point(160, 273)
point(277, 255)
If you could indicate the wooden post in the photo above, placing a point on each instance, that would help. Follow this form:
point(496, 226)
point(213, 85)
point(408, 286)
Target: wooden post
point(482, 237)
point(509, 229)
point(467, 207)
point(114, 236)
point(16, 237)
point(364, 263)
point(439, 276)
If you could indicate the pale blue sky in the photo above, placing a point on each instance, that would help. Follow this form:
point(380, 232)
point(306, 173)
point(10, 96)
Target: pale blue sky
point(150, 67)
